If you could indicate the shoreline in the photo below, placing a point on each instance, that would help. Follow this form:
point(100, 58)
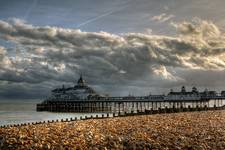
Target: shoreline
point(185, 130)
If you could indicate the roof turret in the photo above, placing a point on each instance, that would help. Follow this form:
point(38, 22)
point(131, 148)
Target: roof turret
point(194, 90)
point(81, 82)
point(183, 90)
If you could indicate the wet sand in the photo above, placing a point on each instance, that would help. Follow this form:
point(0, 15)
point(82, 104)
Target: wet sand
point(188, 130)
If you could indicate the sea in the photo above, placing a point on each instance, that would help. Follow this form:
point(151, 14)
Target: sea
point(24, 111)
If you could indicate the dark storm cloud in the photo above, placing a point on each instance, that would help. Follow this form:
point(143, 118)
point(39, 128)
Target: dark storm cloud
point(54, 55)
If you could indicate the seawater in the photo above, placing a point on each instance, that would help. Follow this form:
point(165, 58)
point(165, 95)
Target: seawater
point(24, 111)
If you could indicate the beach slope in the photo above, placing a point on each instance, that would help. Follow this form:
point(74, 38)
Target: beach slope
point(187, 130)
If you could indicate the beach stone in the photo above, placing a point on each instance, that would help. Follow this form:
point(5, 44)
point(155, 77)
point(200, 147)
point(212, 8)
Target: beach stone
point(2, 140)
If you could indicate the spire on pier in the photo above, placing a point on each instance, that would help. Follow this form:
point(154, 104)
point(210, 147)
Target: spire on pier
point(81, 82)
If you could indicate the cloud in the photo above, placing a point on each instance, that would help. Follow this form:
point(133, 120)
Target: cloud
point(162, 17)
point(52, 56)
point(199, 28)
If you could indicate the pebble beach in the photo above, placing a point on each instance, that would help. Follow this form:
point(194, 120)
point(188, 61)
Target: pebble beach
point(186, 130)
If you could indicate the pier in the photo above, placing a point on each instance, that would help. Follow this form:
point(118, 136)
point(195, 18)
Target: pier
point(83, 99)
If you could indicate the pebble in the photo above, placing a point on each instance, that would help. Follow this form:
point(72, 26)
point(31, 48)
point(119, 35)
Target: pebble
point(187, 130)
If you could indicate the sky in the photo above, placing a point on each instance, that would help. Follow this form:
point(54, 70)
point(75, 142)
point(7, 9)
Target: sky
point(120, 47)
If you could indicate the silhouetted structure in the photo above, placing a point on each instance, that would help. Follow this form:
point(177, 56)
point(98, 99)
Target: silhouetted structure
point(82, 98)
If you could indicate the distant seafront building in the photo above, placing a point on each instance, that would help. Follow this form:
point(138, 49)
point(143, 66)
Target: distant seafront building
point(82, 98)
